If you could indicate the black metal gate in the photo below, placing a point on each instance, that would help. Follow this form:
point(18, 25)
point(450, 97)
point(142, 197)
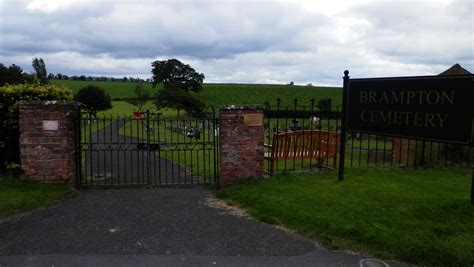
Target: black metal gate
point(147, 149)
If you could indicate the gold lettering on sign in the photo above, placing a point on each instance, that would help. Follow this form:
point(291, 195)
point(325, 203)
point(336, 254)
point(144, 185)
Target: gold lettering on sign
point(253, 120)
point(405, 118)
point(433, 97)
point(442, 118)
point(363, 97)
point(428, 119)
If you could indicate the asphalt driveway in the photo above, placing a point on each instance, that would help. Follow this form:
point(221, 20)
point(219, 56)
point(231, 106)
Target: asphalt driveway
point(170, 224)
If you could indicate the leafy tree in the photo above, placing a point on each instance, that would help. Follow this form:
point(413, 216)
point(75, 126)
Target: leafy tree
point(93, 98)
point(141, 96)
point(173, 96)
point(40, 69)
point(180, 82)
point(12, 75)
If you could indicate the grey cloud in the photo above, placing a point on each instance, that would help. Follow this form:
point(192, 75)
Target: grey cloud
point(191, 29)
point(246, 41)
point(420, 32)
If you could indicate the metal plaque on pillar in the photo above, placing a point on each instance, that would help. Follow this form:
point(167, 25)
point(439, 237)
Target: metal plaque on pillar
point(253, 120)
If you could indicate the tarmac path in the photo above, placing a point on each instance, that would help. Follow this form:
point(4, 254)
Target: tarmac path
point(159, 226)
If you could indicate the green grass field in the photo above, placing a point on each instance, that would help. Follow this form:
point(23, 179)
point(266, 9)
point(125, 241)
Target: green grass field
point(19, 196)
point(223, 94)
point(214, 95)
point(417, 216)
point(116, 90)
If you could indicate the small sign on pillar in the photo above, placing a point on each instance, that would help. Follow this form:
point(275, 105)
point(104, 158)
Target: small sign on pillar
point(253, 120)
point(50, 125)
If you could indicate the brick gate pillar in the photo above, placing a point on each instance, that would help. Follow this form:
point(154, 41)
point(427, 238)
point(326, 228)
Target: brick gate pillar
point(48, 140)
point(241, 143)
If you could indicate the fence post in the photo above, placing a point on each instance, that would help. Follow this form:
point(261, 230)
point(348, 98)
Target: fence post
point(342, 145)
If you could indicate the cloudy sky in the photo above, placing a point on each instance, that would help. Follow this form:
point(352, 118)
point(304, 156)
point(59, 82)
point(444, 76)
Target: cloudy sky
point(236, 41)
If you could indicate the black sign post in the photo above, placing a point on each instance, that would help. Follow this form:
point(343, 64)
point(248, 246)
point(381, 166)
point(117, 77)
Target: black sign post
point(342, 146)
point(433, 108)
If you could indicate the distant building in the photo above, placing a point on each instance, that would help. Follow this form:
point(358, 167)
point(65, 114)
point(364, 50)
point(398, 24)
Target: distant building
point(456, 69)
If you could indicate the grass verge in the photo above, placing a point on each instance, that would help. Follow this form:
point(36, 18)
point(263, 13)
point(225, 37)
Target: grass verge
point(416, 216)
point(19, 196)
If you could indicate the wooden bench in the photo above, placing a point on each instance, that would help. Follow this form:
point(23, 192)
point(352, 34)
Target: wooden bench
point(318, 145)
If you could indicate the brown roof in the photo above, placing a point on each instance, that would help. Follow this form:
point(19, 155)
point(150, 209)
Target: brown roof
point(456, 69)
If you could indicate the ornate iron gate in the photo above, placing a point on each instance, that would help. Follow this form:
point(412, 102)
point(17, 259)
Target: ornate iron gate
point(147, 149)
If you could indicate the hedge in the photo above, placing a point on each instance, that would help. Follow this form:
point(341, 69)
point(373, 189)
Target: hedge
point(9, 95)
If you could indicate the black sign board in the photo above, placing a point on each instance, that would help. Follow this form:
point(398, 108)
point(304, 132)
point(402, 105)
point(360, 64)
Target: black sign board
point(438, 108)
